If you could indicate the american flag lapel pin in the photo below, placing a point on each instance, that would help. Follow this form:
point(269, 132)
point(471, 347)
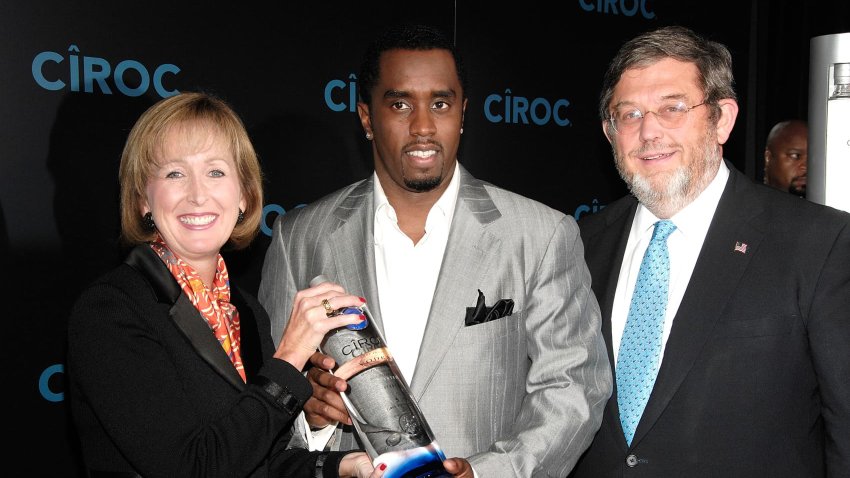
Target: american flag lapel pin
point(741, 247)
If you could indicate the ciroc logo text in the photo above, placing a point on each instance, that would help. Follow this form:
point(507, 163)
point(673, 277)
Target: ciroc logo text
point(628, 8)
point(360, 346)
point(97, 71)
point(335, 94)
point(592, 208)
point(519, 110)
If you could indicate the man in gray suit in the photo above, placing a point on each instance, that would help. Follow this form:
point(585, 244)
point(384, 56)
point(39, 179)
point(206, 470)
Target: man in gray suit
point(517, 392)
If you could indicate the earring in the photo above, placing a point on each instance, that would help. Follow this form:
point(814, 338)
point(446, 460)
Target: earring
point(147, 221)
point(241, 217)
point(369, 135)
point(461, 130)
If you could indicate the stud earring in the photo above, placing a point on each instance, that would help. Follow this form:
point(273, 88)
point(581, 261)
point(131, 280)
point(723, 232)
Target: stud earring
point(461, 130)
point(369, 135)
point(147, 221)
point(240, 218)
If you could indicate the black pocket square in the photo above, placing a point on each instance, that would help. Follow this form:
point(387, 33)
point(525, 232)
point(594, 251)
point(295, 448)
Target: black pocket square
point(481, 313)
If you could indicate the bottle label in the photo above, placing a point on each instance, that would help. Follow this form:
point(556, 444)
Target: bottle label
point(363, 362)
point(383, 410)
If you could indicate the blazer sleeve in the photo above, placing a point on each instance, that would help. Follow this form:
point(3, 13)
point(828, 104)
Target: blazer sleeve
point(277, 286)
point(125, 372)
point(828, 325)
point(569, 380)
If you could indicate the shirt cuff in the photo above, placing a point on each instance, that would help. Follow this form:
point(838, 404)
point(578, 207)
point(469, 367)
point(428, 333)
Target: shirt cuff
point(316, 440)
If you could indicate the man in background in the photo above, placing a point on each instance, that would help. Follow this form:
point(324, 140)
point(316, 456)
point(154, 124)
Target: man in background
point(786, 157)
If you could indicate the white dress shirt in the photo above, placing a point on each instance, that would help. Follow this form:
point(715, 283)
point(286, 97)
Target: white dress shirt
point(684, 246)
point(407, 273)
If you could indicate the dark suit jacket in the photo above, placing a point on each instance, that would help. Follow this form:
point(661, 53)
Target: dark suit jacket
point(153, 392)
point(755, 378)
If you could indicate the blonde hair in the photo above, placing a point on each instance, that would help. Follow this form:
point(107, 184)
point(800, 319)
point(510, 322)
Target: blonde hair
point(138, 160)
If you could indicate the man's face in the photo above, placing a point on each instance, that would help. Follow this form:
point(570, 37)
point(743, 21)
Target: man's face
point(786, 160)
point(416, 118)
point(667, 167)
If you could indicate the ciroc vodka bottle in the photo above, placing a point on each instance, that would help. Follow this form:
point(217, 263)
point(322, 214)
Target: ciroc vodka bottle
point(388, 421)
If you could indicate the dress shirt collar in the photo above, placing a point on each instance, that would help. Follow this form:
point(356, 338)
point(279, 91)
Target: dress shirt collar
point(695, 218)
point(442, 210)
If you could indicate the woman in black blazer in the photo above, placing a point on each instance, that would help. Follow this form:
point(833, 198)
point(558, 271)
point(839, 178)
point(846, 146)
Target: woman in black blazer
point(173, 372)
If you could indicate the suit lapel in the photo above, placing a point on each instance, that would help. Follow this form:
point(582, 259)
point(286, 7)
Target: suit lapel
point(605, 249)
point(467, 255)
point(352, 245)
point(184, 315)
point(187, 318)
point(605, 258)
point(250, 344)
point(716, 275)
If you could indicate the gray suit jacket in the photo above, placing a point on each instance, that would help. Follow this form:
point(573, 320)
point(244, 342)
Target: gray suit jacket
point(518, 396)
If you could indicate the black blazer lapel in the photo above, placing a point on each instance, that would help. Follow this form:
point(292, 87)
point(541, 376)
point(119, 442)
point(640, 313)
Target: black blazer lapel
point(189, 321)
point(251, 346)
point(184, 315)
point(716, 275)
point(605, 245)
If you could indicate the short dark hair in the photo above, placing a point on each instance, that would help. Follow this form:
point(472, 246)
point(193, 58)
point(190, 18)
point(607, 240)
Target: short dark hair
point(712, 59)
point(405, 37)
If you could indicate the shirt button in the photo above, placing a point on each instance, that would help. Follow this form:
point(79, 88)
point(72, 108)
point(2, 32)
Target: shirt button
point(631, 461)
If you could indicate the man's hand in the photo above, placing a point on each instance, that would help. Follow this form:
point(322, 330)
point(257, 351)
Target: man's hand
point(325, 406)
point(458, 467)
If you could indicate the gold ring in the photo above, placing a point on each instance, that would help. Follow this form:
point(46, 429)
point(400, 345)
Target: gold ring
point(327, 305)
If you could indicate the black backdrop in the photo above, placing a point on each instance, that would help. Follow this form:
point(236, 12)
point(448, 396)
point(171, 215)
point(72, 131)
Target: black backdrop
point(76, 75)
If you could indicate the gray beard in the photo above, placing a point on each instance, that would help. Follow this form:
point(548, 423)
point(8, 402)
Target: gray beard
point(664, 202)
point(665, 194)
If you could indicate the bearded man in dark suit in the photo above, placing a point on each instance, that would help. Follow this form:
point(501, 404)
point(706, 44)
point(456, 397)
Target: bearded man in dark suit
point(745, 372)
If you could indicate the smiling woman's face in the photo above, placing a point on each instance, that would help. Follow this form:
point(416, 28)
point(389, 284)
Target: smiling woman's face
point(194, 192)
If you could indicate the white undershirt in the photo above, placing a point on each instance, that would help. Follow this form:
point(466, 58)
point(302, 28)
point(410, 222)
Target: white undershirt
point(684, 246)
point(407, 273)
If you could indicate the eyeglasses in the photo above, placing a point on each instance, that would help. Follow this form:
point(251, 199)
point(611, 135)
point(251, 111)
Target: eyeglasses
point(670, 115)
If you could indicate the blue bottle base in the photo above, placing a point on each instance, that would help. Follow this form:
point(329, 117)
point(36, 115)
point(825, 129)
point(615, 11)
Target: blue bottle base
point(423, 462)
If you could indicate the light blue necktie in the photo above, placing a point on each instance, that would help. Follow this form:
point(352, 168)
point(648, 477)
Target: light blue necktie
point(640, 347)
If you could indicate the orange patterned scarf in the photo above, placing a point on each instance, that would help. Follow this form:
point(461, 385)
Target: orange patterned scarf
point(214, 306)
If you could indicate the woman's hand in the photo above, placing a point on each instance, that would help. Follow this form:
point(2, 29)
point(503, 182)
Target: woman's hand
point(358, 465)
point(309, 321)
